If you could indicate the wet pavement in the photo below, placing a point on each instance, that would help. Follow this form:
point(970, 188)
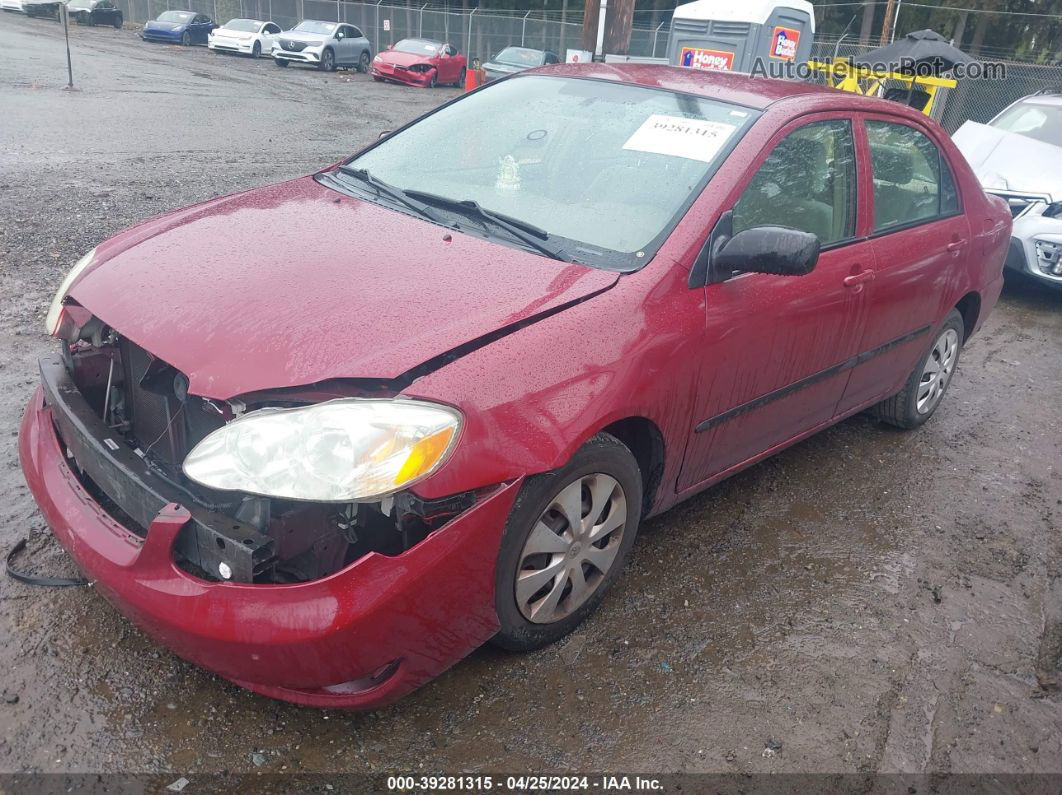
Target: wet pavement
point(869, 600)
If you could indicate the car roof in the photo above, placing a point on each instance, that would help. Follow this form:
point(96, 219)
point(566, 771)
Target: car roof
point(1043, 98)
point(741, 89)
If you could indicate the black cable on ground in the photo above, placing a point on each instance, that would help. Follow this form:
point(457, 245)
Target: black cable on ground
point(32, 579)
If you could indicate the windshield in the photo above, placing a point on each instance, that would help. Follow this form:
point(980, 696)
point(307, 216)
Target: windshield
point(520, 56)
point(418, 47)
point(250, 25)
point(609, 166)
point(313, 26)
point(176, 16)
point(1033, 120)
point(80, 4)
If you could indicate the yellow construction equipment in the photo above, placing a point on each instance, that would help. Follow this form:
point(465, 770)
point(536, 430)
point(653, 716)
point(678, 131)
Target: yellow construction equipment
point(915, 90)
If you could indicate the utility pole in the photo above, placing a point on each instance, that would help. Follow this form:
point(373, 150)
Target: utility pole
point(607, 26)
point(66, 35)
point(887, 23)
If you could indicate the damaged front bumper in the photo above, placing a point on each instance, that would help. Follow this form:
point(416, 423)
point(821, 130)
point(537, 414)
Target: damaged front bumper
point(358, 638)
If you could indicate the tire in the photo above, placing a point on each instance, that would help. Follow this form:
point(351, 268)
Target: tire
point(460, 83)
point(923, 393)
point(186, 39)
point(327, 62)
point(280, 62)
point(363, 62)
point(533, 620)
point(256, 50)
point(118, 22)
point(377, 79)
point(434, 80)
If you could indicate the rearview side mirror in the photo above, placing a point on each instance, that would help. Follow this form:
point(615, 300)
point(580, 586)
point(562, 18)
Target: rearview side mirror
point(777, 250)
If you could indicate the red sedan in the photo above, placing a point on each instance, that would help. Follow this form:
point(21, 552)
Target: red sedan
point(435, 412)
point(420, 62)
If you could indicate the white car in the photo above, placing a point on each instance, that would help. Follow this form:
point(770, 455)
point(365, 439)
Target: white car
point(246, 36)
point(11, 5)
point(1018, 156)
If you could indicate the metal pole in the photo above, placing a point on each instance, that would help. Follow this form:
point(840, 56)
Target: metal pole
point(378, 23)
point(656, 35)
point(420, 22)
point(66, 35)
point(523, 27)
point(468, 47)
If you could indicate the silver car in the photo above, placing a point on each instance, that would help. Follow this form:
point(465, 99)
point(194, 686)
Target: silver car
point(516, 59)
point(1018, 156)
point(326, 45)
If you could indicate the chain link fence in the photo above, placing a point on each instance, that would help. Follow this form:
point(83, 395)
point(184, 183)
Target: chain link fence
point(483, 33)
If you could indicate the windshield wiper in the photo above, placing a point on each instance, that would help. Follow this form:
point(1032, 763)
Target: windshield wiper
point(527, 233)
point(385, 189)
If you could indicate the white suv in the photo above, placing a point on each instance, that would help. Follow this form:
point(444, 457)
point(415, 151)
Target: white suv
point(1018, 156)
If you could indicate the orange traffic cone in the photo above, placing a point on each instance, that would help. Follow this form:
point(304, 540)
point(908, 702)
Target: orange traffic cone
point(471, 80)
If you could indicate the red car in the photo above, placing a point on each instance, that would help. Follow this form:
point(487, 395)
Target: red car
point(420, 62)
point(435, 411)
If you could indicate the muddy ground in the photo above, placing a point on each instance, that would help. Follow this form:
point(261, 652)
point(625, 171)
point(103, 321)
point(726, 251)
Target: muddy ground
point(870, 600)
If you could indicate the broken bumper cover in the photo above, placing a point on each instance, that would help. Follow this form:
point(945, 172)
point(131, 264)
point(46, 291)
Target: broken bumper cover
point(405, 76)
point(359, 638)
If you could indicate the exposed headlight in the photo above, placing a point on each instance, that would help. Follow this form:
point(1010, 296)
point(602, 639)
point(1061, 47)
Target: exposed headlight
point(377, 58)
point(55, 310)
point(339, 451)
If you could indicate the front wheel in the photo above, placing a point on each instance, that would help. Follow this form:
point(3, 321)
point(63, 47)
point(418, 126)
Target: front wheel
point(565, 543)
point(256, 50)
point(461, 78)
point(925, 388)
point(186, 39)
point(434, 80)
point(328, 61)
point(280, 62)
point(118, 22)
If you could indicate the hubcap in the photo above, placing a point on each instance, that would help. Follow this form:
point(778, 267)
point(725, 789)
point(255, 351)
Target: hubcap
point(571, 548)
point(937, 371)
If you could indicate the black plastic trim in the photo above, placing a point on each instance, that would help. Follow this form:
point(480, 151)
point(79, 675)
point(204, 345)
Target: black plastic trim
point(810, 380)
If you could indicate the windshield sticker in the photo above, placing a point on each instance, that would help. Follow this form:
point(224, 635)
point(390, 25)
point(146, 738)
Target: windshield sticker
point(693, 139)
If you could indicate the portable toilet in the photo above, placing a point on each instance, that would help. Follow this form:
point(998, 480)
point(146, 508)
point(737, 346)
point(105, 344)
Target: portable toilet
point(731, 34)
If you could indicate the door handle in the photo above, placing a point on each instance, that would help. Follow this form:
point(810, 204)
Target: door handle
point(857, 279)
point(955, 246)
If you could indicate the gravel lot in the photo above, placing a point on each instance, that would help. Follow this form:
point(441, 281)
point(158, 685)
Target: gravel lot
point(870, 600)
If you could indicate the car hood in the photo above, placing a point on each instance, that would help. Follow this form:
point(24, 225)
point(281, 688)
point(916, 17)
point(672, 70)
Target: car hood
point(295, 284)
point(305, 38)
point(1009, 161)
point(494, 66)
point(404, 58)
point(174, 26)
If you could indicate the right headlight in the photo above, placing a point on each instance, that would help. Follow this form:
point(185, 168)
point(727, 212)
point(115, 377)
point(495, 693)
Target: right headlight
point(345, 450)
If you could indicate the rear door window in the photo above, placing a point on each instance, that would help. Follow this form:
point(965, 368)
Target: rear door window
point(912, 180)
point(807, 182)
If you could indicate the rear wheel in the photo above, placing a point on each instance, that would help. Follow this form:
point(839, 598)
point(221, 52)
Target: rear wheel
point(925, 388)
point(256, 50)
point(565, 543)
point(328, 61)
point(363, 62)
point(186, 39)
point(118, 22)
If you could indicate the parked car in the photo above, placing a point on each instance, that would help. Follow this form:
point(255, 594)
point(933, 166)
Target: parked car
point(178, 27)
point(420, 62)
point(559, 305)
point(95, 12)
point(1018, 156)
point(48, 9)
point(326, 45)
point(516, 59)
point(247, 36)
point(11, 5)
